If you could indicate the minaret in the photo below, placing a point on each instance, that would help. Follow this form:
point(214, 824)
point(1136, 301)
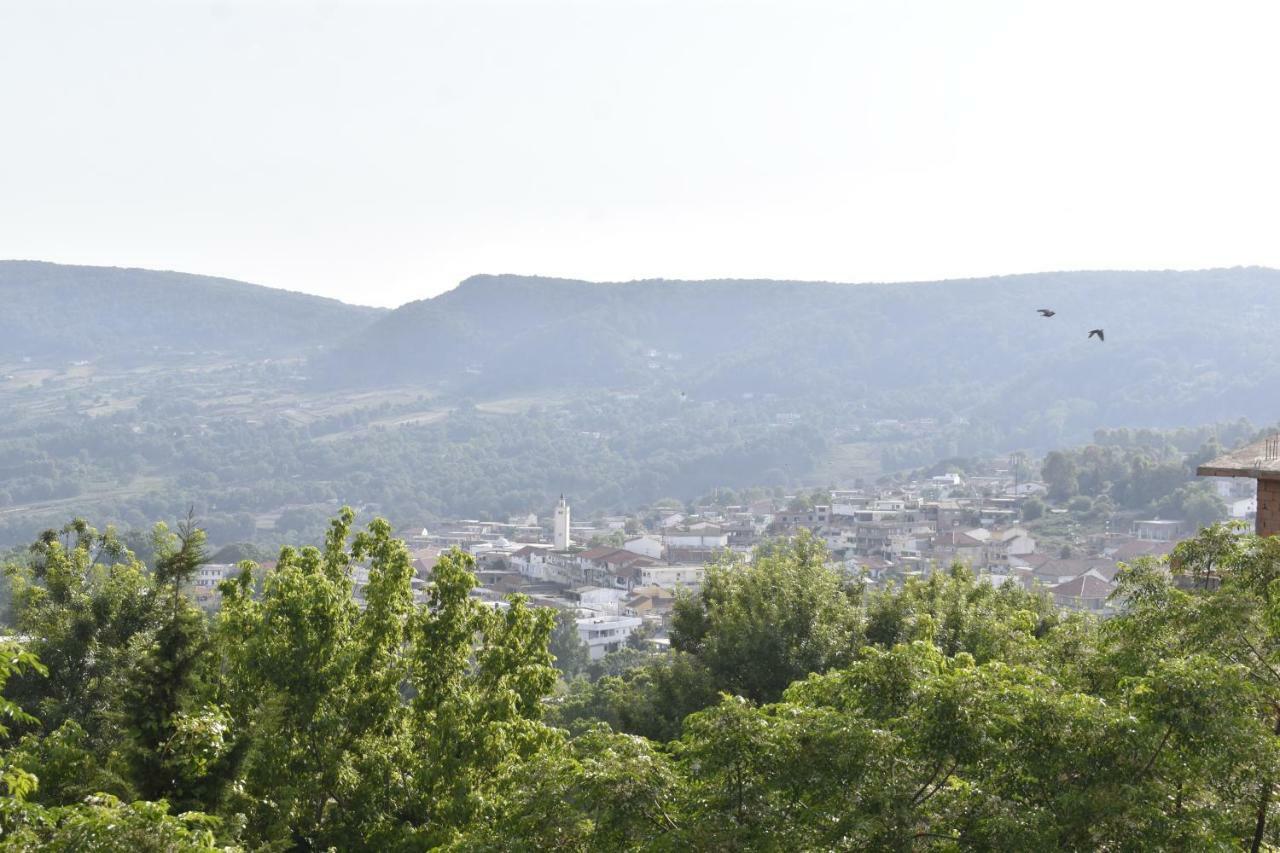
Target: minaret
point(561, 540)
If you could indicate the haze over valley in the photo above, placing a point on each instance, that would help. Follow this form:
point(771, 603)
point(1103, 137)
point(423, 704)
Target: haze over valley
point(135, 394)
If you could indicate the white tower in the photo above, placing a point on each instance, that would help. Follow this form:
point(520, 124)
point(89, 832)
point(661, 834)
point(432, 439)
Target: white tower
point(561, 540)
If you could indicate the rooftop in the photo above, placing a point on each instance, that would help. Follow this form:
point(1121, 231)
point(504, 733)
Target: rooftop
point(1086, 586)
point(1260, 460)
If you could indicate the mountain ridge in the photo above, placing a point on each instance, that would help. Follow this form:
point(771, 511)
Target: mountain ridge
point(975, 345)
point(181, 274)
point(132, 315)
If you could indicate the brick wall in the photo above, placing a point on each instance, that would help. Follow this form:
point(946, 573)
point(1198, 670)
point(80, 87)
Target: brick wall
point(1268, 507)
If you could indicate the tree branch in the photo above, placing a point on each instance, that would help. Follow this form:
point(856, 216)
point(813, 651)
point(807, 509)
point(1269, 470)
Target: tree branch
point(1159, 748)
point(932, 778)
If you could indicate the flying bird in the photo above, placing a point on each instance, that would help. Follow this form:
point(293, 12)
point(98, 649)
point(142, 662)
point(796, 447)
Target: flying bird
point(1046, 312)
point(1098, 332)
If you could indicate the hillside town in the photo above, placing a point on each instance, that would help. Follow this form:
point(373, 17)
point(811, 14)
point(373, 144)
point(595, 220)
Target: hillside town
point(620, 575)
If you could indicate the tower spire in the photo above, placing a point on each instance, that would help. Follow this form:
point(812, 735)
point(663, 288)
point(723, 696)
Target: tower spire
point(561, 540)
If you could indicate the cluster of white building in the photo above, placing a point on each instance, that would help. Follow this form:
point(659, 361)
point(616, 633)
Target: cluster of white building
point(887, 534)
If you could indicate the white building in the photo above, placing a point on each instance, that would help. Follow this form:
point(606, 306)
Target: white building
point(604, 634)
point(1004, 544)
point(646, 546)
point(209, 575)
point(596, 597)
point(533, 561)
point(671, 577)
point(1244, 508)
point(707, 538)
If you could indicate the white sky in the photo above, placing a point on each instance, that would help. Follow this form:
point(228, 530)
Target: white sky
point(382, 152)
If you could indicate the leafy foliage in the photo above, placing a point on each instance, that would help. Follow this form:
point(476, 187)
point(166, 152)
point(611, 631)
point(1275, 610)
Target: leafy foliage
point(326, 712)
point(759, 627)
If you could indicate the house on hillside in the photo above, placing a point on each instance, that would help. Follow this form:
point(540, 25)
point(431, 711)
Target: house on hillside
point(424, 561)
point(545, 563)
point(743, 533)
point(604, 634)
point(873, 568)
point(646, 545)
point(1054, 572)
point(595, 597)
point(203, 586)
point(614, 567)
point(649, 601)
point(1132, 549)
point(1012, 542)
point(672, 576)
point(532, 561)
point(812, 518)
point(695, 546)
point(957, 546)
point(1087, 592)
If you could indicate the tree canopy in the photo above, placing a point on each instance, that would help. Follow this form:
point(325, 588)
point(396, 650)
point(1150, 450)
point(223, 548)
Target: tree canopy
point(796, 709)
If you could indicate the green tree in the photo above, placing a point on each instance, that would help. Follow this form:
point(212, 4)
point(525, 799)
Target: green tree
point(651, 699)
point(162, 688)
point(1197, 503)
point(90, 609)
point(1059, 473)
point(105, 823)
point(333, 710)
point(759, 626)
point(570, 653)
point(317, 685)
point(1227, 618)
point(603, 791)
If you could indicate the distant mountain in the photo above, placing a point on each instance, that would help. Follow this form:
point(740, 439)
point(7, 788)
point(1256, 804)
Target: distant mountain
point(1181, 347)
point(63, 313)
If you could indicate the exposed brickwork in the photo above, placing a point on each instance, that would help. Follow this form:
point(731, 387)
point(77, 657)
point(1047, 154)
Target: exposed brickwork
point(1268, 507)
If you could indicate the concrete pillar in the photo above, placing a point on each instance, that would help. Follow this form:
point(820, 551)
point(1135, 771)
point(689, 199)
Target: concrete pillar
point(1268, 523)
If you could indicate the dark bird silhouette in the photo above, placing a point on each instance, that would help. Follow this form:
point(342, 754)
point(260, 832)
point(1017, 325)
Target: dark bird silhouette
point(1046, 312)
point(1098, 332)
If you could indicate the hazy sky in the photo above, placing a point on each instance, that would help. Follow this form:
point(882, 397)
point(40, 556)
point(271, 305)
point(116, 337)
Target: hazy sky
point(382, 152)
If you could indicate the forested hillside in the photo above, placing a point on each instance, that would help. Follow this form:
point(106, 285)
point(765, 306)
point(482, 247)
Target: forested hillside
point(56, 313)
point(796, 710)
point(267, 410)
point(975, 347)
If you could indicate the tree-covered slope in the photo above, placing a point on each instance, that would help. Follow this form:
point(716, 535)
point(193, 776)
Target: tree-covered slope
point(1181, 346)
point(58, 313)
